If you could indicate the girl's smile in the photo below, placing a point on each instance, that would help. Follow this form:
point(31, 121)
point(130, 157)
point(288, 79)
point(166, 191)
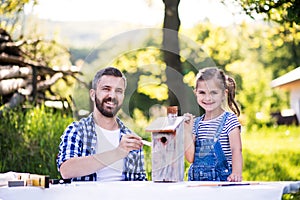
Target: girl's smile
point(210, 97)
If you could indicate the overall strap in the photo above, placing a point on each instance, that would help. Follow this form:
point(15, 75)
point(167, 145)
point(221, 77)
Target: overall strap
point(220, 128)
point(196, 125)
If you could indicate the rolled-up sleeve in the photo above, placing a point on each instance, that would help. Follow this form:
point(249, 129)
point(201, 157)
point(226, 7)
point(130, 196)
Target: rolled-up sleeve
point(70, 144)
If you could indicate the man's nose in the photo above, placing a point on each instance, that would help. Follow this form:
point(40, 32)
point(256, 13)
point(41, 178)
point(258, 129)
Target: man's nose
point(112, 93)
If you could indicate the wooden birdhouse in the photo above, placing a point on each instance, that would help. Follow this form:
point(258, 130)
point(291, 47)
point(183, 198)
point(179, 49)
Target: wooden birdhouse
point(167, 148)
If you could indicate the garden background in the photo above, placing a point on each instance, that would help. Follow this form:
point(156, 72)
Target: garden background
point(254, 53)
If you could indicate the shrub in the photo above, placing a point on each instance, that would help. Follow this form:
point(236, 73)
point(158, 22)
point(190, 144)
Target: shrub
point(29, 140)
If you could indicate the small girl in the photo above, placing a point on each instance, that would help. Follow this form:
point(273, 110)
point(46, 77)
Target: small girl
point(212, 141)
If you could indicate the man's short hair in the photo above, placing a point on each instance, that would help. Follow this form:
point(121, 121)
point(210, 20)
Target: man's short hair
point(109, 71)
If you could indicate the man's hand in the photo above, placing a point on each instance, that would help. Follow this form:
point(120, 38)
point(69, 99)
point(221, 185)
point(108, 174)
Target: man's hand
point(130, 142)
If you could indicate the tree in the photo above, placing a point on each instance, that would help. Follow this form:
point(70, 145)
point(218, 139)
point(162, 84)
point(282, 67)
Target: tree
point(286, 14)
point(171, 53)
point(282, 11)
point(31, 70)
point(12, 12)
point(23, 78)
point(171, 46)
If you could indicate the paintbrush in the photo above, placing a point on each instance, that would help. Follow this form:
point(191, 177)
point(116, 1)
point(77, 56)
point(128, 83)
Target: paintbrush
point(145, 142)
point(224, 184)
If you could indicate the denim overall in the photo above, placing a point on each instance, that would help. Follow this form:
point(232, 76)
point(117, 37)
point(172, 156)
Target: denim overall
point(210, 163)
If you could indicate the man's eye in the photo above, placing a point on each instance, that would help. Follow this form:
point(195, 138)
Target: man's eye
point(119, 91)
point(105, 89)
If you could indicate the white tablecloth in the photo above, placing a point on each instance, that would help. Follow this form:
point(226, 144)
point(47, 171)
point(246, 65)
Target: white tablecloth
point(149, 190)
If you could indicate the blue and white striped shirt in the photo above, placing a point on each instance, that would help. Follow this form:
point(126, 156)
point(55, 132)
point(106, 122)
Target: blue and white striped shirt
point(80, 138)
point(207, 130)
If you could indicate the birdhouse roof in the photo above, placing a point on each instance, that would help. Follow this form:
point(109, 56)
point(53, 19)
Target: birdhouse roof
point(165, 124)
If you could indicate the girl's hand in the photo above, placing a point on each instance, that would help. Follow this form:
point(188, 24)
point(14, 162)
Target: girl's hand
point(189, 118)
point(189, 138)
point(234, 177)
point(188, 123)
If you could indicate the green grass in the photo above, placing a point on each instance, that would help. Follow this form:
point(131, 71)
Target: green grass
point(295, 196)
point(272, 154)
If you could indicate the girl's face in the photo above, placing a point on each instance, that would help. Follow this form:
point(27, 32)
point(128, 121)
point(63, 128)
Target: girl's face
point(210, 96)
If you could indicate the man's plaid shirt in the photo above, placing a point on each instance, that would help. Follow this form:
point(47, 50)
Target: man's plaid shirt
point(79, 139)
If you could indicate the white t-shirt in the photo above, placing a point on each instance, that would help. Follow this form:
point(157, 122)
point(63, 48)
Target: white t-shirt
point(108, 140)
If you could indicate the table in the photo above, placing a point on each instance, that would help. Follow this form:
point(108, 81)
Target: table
point(148, 190)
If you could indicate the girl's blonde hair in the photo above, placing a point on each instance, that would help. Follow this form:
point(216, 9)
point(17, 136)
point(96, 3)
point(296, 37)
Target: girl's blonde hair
point(226, 82)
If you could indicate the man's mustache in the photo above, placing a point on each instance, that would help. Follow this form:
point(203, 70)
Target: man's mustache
point(109, 99)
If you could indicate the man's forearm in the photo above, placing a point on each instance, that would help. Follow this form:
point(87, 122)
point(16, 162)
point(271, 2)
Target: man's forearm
point(82, 166)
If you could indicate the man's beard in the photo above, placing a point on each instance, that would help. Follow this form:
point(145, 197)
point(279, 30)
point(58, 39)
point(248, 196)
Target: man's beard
point(107, 112)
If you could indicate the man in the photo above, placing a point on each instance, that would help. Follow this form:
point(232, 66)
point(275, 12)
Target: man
point(100, 147)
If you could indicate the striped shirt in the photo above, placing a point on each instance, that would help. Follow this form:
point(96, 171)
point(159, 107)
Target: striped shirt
point(207, 130)
point(80, 139)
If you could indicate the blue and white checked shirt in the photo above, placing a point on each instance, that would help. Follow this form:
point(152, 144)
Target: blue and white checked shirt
point(80, 138)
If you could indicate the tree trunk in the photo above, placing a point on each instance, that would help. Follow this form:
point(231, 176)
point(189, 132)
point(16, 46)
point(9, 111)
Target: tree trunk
point(171, 53)
point(170, 34)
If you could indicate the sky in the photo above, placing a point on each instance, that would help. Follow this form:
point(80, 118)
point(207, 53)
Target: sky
point(136, 11)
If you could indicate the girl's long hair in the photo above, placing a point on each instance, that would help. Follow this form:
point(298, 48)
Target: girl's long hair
point(226, 82)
